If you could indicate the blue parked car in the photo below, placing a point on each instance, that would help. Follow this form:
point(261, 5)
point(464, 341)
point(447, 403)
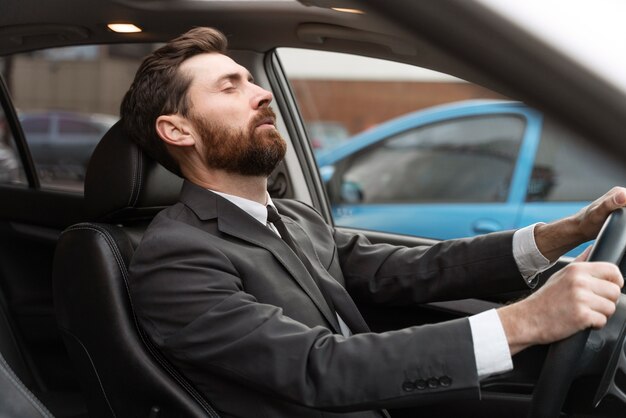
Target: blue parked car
point(464, 169)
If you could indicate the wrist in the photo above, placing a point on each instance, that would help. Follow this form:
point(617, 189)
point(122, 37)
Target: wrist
point(556, 238)
point(519, 330)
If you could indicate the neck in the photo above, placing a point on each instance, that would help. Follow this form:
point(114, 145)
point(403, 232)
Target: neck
point(249, 187)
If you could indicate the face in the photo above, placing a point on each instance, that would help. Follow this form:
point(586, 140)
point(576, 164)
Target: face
point(231, 116)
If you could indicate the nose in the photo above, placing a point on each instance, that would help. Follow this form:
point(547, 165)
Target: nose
point(261, 98)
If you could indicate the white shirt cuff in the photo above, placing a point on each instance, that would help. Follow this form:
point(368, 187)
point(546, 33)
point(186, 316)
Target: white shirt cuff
point(529, 259)
point(491, 348)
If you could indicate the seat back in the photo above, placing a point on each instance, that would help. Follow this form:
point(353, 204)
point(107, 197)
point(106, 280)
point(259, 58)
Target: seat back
point(121, 372)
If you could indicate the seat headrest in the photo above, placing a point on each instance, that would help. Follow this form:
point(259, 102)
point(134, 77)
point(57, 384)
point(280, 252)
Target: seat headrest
point(124, 184)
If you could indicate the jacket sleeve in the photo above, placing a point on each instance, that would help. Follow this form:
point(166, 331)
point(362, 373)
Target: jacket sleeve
point(449, 270)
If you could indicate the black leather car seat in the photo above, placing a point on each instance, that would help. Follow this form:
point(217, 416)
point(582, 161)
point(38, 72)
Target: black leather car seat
point(121, 372)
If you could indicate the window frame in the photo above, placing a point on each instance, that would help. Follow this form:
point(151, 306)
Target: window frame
point(287, 105)
point(28, 164)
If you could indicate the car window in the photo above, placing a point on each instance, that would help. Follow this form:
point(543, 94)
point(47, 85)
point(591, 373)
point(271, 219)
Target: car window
point(340, 95)
point(11, 170)
point(66, 99)
point(71, 126)
point(325, 134)
point(408, 150)
point(35, 125)
point(417, 145)
point(461, 160)
point(568, 168)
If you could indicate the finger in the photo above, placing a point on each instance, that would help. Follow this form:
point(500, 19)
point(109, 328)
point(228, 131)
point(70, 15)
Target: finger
point(614, 199)
point(604, 289)
point(602, 270)
point(584, 255)
point(597, 320)
point(619, 196)
point(601, 304)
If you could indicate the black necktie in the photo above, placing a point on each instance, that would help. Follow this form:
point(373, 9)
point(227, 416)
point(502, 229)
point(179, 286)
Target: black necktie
point(275, 219)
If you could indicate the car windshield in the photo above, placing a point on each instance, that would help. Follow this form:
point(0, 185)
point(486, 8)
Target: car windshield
point(590, 32)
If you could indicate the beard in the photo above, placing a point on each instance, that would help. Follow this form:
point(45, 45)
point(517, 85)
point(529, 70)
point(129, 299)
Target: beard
point(247, 152)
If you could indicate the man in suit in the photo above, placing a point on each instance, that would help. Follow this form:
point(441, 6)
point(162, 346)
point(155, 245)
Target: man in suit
point(253, 299)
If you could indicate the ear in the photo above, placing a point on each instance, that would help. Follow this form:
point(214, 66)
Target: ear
point(175, 130)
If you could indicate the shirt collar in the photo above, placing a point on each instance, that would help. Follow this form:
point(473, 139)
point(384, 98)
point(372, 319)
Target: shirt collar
point(252, 208)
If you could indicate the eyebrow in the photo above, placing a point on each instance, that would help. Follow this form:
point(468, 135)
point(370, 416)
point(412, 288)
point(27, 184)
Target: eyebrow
point(235, 77)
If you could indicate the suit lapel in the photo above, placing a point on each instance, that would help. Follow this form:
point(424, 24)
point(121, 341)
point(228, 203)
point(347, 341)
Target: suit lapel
point(233, 221)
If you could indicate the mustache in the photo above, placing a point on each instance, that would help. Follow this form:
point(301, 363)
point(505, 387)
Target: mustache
point(264, 115)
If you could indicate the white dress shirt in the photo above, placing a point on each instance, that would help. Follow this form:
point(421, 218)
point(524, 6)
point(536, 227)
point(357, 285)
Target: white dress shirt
point(491, 349)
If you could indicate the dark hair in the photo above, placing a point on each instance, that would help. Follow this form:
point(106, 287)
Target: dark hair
point(159, 88)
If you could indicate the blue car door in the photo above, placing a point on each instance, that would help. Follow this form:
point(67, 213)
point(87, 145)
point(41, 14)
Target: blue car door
point(458, 172)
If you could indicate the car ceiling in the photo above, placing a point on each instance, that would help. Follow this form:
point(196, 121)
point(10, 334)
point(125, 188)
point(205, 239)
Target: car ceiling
point(256, 25)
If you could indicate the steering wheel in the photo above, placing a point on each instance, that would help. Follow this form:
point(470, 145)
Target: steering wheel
point(560, 365)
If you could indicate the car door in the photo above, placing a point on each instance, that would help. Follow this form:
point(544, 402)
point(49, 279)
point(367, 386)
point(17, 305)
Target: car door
point(458, 175)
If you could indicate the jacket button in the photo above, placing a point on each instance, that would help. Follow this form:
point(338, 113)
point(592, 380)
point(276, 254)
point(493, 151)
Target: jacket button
point(421, 384)
point(433, 383)
point(408, 386)
point(445, 381)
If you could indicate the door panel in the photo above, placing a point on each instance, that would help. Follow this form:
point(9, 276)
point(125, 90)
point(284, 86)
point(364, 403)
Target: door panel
point(429, 220)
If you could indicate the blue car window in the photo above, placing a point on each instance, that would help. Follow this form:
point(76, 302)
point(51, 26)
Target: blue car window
point(569, 168)
point(460, 160)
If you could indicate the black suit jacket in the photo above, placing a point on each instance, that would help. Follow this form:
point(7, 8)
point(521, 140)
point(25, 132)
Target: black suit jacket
point(235, 309)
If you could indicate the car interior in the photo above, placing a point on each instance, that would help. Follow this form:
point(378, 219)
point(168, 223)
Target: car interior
point(70, 345)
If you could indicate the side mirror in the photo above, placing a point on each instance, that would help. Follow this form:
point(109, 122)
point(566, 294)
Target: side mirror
point(340, 191)
point(326, 173)
point(351, 192)
point(542, 180)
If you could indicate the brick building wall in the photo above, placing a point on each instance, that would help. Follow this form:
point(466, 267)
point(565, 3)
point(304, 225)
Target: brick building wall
point(364, 103)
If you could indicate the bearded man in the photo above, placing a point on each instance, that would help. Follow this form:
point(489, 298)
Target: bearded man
point(252, 298)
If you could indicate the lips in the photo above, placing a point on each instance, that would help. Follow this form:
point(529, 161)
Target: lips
point(266, 121)
point(264, 118)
